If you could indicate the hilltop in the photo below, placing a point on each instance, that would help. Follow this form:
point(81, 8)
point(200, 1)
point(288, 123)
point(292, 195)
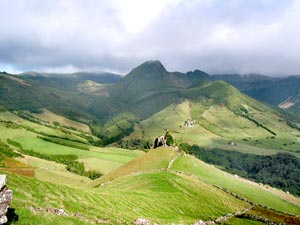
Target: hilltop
point(65, 136)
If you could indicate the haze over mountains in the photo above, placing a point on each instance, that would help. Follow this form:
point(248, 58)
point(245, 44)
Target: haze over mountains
point(94, 132)
point(280, 91)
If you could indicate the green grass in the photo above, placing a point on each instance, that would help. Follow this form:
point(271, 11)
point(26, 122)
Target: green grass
point(7, 116)
point(54, 172)
point(161, 197)
point(102, 160)
point(212, 175)
point(42, 146)
point(48, 116)
point(172, 198)
point(217, 124)
point(156, 159)
point(100, 165)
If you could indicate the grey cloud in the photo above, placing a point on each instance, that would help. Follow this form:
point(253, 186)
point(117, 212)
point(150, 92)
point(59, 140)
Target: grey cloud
point(254, 36)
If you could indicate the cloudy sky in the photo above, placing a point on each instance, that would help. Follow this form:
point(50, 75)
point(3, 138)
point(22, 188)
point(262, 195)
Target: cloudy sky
point(217, 36)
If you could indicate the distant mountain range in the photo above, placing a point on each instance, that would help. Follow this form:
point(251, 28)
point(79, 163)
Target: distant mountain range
point(116, 103)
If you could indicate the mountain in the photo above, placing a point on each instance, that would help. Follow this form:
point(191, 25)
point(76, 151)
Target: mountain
point(283, 92)
point(113, 110)
point(151, 78)
point(61, 139)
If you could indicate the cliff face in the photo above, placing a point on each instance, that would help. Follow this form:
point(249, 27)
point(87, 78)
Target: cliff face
point(5, 199)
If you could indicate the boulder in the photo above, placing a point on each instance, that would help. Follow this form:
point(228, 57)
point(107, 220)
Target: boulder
point(5, 199)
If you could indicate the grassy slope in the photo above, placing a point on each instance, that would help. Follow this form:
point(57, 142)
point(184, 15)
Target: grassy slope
point(10, 133)
point(172, 198)
point(241, 187)
point(217, 125)
point(48, 116)
point(154, 160)
point(102, 160)
point(54, 172)
point(164, 202)
point(143, 188)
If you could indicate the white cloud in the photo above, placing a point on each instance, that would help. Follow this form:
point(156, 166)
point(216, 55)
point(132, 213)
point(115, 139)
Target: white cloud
point(216, 36)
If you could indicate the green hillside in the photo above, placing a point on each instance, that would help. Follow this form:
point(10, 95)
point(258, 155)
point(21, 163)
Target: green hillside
point(60, 138)
point(163, 186)
point(221, 117)
point(38, 139)
point(186, 192)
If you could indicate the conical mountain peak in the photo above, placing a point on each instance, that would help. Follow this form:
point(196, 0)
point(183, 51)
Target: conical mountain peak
point(151, 68)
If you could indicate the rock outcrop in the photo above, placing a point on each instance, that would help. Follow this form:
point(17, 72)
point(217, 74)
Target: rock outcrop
point(5, 199)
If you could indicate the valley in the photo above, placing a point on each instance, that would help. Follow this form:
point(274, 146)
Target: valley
point(66, 145)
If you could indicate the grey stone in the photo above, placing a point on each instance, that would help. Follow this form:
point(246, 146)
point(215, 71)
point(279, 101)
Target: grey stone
point(2, 181)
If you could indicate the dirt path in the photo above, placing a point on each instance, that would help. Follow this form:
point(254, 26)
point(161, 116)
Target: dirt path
point(172, 161)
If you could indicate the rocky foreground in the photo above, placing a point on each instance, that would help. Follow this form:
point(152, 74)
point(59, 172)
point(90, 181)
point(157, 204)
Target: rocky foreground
point(5, 199)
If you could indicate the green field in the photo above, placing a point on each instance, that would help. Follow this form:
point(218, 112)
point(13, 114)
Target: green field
point(249, 190)
point(135, 185)
point(162, 185)
point(102, 160)
point(51, 117)
point(217, 125)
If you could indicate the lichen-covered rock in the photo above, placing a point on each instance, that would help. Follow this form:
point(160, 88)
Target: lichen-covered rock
point(5, 199)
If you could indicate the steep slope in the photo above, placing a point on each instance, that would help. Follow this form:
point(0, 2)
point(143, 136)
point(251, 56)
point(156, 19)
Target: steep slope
point(151, 78)
point(222, 115)
point(158, 180)
point(17, 93)
point(252, 191)
point(282, 91)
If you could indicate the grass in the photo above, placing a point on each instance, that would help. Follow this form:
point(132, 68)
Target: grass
point(7, 116)
point(100, 165)
point(46, 147)
point(51, 117)
point(161, 197)
point(16, 167)
point(172, 198)
point(103, 160)
point(218, 124)
point(136, 184)
point(156, 159)
point(249, 190)
point(141, 188)
point(53, 172)
point(172, 118)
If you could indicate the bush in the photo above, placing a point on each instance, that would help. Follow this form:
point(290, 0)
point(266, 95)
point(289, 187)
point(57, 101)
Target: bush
point(140, 144)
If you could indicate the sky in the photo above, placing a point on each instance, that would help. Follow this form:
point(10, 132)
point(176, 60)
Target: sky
point(216, 36)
